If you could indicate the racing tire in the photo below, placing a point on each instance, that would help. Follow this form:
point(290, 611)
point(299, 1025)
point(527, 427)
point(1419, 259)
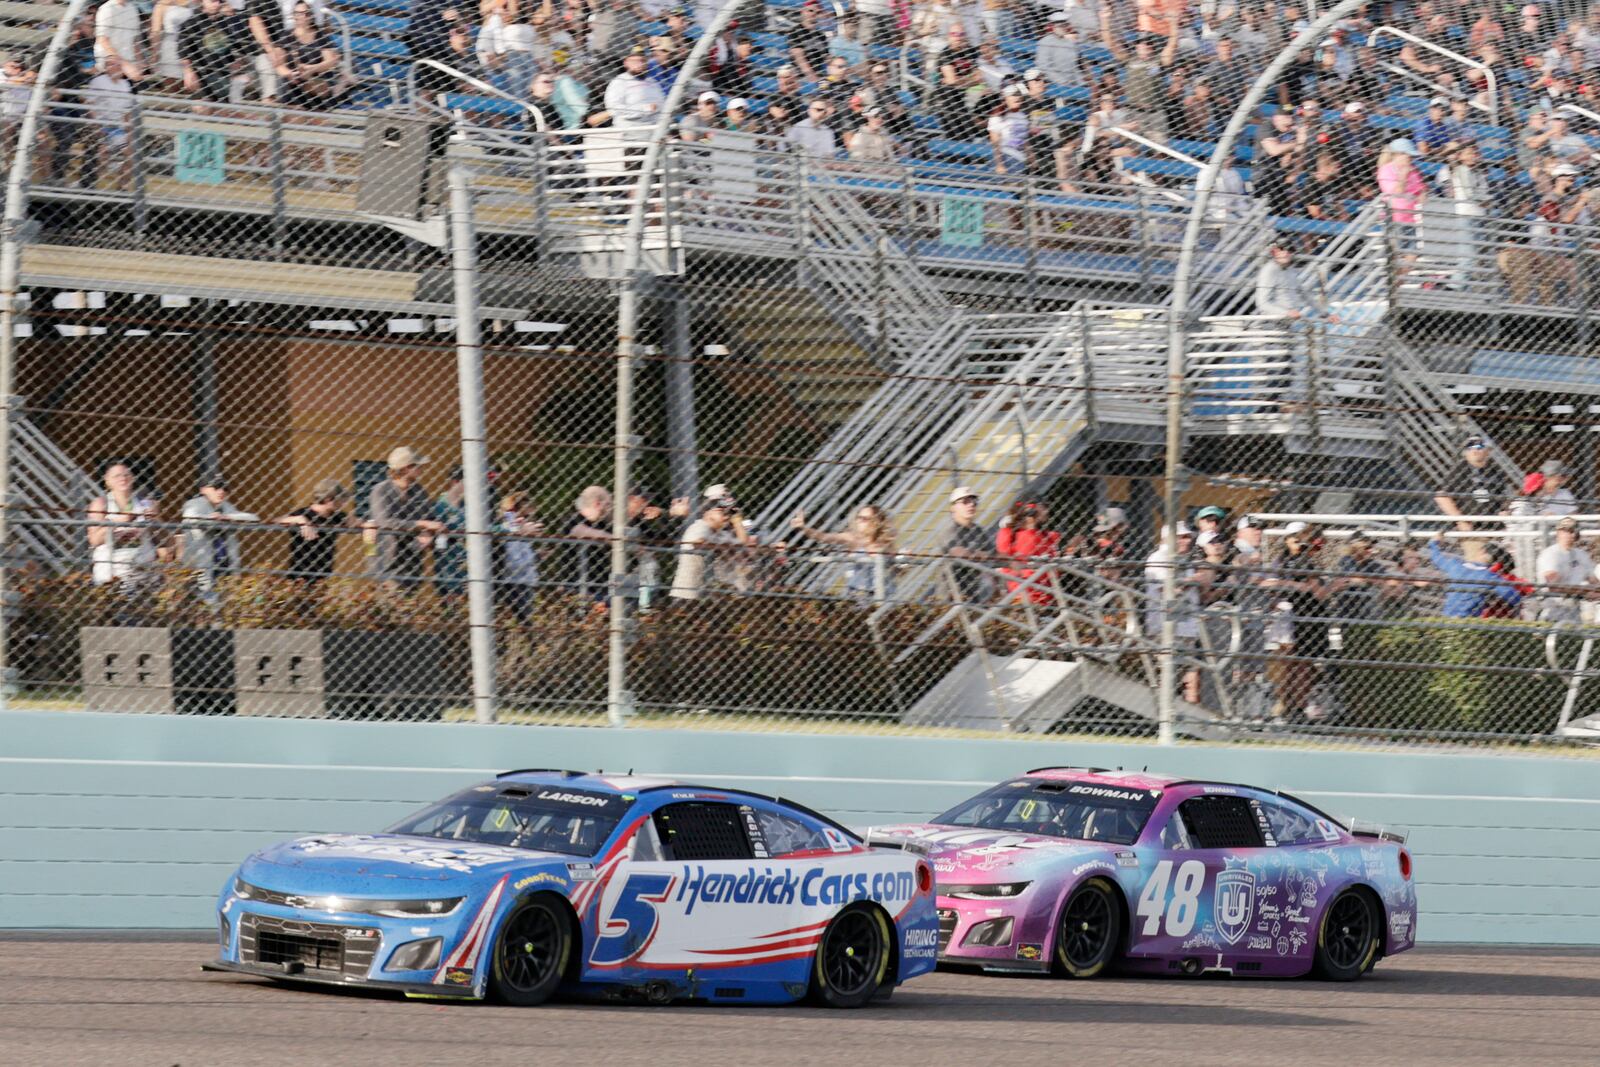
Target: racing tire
point(1089, 931)
point(532, 952)
point(1349, 939)
point(852, 959)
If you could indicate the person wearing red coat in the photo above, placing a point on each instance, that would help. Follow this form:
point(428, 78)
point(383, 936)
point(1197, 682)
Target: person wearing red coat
point(1023, 538)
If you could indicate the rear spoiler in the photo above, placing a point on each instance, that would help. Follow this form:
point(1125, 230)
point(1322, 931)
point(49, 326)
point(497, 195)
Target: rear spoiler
point(1358, 828)
point(876, 839)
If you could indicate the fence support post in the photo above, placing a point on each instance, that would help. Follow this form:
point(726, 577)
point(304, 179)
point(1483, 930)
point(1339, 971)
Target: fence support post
point(474, 457)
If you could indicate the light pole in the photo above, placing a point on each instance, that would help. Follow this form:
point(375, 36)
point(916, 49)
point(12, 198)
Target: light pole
point(1177, 337)
point(460, 237)
point(619, 702)
point(11, 241)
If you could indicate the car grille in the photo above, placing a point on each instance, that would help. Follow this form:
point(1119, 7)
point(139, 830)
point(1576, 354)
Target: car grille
point(947, 928)
point(323, 949)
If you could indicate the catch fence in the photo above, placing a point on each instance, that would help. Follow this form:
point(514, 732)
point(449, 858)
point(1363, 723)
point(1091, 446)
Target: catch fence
point(897, 441)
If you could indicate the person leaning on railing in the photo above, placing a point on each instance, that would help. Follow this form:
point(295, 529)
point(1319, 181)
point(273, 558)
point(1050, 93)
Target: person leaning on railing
point(122, 544)
point(1566, 576)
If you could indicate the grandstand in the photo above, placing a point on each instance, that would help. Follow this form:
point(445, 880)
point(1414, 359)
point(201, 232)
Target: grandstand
point(858, 330)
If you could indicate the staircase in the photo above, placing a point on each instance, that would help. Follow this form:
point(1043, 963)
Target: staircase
point(1088, 645)
point(46, 487)
point(864, 277)
point(1426, 425)
point(817, 361)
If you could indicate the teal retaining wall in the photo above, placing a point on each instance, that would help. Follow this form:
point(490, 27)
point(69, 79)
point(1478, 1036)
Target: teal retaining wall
point(136, 820)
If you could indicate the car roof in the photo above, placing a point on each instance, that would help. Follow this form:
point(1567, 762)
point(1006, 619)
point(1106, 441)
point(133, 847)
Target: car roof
point(637, 785)
point(596, 782)
point(1102, 776)
point(1146, 780)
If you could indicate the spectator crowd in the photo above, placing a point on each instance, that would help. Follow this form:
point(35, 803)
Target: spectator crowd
point(1277, 598)
point(1084, 96)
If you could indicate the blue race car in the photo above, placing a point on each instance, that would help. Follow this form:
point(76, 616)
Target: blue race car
point(599, 885)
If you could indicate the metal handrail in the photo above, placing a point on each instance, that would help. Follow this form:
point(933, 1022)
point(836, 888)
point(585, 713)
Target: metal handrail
point(347, 64)
point(1494, 95)
point(476, 83)
point(907, 79)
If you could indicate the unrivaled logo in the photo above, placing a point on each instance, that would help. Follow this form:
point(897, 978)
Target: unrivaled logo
point(814, 887)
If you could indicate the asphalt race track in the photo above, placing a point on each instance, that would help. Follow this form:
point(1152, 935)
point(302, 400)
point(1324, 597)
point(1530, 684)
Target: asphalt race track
point(67, 1001)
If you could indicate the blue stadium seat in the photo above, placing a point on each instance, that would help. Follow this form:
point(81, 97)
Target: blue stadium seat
point(943, 146)
point(483, 105)
point(375, 23)
point(376, 46)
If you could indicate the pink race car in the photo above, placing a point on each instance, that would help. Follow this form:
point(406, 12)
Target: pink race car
point(1078, 870)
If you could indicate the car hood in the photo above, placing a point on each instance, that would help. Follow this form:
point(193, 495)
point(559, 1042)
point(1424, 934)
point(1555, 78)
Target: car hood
point(329, 862)
point(962, 854)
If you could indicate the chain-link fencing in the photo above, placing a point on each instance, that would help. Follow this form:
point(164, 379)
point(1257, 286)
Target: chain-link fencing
point(897, 434)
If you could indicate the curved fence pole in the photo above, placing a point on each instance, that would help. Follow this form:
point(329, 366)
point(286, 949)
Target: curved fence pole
point(16, 213)
point(618, 701)
point(1177, 337)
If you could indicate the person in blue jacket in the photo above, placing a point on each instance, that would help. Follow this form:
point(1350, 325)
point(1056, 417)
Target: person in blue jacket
point(1472, 583)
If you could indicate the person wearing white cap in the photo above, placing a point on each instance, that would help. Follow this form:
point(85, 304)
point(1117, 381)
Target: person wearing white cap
point(963, 539)
point(1057, 55)
point(1187, 624)
point(708, 549)
point(400, 524)
point(1433, 132)
point(871, 143)
point(703, 119)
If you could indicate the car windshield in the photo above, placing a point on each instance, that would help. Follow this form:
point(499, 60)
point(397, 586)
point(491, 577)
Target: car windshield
point(552, 818)
point(1080, 810)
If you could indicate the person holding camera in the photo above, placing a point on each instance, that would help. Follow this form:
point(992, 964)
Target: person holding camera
point(707, 548)
point(869, 543)
point(1022, 539)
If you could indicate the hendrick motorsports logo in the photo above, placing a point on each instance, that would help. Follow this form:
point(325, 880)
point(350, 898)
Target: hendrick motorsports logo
point(1235, 903)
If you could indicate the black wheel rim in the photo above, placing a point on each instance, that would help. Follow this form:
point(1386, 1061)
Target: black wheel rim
point(1086, 928)
point(529, 949)
point(1348, 935)
point(852, 954)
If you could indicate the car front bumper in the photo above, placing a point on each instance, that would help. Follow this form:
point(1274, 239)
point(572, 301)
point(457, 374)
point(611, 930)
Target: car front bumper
point(286, 973)
point(1025, 948)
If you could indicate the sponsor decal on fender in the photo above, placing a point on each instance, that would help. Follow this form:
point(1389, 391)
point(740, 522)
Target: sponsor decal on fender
point(1030, 952)
point(457, 976)
point(542, 878)
point(922, 944)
